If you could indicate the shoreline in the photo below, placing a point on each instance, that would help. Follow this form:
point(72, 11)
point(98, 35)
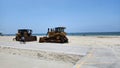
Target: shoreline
point(77, 34)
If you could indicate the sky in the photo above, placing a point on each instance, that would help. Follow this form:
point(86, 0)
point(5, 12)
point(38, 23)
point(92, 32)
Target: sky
point(75, 15)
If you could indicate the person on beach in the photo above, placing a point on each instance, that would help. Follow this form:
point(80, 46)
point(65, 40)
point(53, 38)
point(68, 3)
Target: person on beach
point(22, 39)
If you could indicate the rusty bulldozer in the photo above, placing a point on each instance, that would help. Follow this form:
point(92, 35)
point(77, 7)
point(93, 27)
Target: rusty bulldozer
point(26, 33)
point(55, 35)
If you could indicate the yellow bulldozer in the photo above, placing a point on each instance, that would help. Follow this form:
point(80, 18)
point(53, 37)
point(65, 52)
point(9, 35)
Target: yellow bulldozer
point(26, 33)
point(55, 35)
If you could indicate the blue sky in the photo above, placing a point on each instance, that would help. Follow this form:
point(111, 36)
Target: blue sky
point(75, 15)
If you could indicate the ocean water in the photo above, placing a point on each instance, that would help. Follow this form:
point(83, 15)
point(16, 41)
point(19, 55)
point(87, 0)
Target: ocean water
point(95, 34)
point(80, 34)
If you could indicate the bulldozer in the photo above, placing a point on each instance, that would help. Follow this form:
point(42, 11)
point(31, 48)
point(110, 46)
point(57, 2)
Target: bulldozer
point(26, 33)
point(55, 35)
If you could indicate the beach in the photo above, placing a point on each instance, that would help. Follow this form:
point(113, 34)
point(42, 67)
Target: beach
point(79, 52)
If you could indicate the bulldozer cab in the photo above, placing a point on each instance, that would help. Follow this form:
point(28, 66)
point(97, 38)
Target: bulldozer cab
point(27, 31)
point(59, 29)
point(53, 31)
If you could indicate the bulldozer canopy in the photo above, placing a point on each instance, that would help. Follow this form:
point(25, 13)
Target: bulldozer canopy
point(24, 30)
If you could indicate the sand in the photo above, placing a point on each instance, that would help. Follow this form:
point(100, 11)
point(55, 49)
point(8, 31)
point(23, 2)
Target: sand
point(15, 61)
point(54, 55)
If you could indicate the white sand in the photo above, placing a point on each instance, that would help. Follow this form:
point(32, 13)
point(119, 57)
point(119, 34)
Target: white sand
point(65, 53)
point(15, 61)
point(94, 40)
point(78, 40)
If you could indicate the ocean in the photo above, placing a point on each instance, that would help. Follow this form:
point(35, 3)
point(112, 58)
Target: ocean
point(96, 34)
point(80, 34)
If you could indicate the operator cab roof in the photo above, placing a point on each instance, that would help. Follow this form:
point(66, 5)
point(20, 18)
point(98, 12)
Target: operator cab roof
point(60, 28)
point(24, 30)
